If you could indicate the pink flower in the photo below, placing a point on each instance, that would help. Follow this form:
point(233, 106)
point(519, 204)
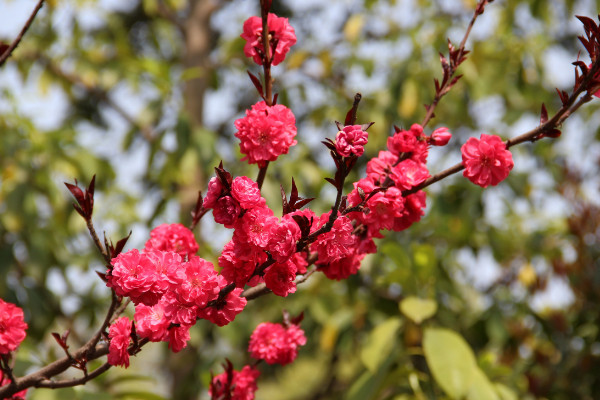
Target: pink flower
point(440, 137)
point(172, 237)
point(144, 277)
point(150, 322)
point(120, 336)
point(336, 243)
point(486, 160)
point(412, 212)
point(266, 132)
point(281, 34)
point(225, 310)
point(343, 267)
point(412, 142)
point(5, 380)
point(235, 385)
point(255, 227)
point(351, 140)
point(275, 343)
point(283, 238)
point(12, 327)
point(280, 278)
point(247, 193)
point(234, 269)
point(215, 188)
point(378, 167)
point(197, 283)
point(409, 174)
point(226, 211)
point(178, 337)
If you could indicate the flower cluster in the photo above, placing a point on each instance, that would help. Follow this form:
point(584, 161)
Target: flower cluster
point(266, 132)
point(281, 38)
point(12, 327)
point(486, 160)
point(275, 343)
point(235, 385)
point(170, 292)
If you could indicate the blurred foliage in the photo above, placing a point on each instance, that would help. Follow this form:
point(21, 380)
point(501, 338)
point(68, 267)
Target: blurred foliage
point(144, 93)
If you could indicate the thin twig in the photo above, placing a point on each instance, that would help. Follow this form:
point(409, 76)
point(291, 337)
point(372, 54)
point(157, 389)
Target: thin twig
point(7, 53)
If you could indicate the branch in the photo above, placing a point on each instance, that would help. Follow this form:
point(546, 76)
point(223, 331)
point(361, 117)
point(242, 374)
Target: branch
point(7, 53)
point(456, 58)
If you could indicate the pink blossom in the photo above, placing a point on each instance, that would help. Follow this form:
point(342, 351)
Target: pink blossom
point(342, 268)
point(226, 211)
point(172, 237)
point(412, 142)
point(283, 238)
point(412, 212)
point(280, 278)
point(255, 227)
point(281, 33)
point(235, 385)
point(133, 276)
point(275, 343)
point(215, 189)
point(336, 243)
point(440, 137)
point(177, 311)
point(225, 310)
point(12, 327)
point(197, 283)
point(178, 337)
point(247, 193)
point(409, 174)
point(266, 132)
point(351, 141)
point(234, 269)
point(151, 322)
point(378, 167)
point(5, 380)
point(486, 160)
point(120, 336)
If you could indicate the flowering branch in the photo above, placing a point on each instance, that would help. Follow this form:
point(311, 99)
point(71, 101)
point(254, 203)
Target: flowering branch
point(6, 52)
point(456, 56)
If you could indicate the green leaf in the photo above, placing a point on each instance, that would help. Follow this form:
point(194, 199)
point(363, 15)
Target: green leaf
point(380, 343)
point(418, 309)
point(451, 361)
point(367, 385)
point(504, 392)
point(481, 387)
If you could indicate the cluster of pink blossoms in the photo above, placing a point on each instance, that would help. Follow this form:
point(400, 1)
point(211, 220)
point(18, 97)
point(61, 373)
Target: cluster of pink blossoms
point(273, 343)
point(235, 385)
point(238, 204)
point(171, 289)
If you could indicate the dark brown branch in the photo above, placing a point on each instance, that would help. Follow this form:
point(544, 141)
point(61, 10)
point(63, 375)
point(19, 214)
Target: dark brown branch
point(7, 53)
point(96, 239)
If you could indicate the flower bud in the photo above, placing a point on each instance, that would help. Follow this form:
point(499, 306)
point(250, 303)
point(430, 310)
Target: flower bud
point(440, 137)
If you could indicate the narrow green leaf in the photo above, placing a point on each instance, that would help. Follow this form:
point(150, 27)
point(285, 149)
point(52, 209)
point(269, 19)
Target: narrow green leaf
point(380, 344)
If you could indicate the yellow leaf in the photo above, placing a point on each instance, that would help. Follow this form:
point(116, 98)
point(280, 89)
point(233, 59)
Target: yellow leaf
point(527, 275)
point(418, 309)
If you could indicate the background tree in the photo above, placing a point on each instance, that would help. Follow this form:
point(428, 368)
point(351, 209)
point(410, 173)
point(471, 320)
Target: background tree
point(145, 94)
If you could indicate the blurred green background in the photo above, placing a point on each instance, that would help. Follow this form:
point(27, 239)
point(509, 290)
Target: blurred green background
point(495, 294)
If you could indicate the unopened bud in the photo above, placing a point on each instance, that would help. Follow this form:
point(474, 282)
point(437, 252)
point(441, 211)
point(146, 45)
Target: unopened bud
point(440, 137)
